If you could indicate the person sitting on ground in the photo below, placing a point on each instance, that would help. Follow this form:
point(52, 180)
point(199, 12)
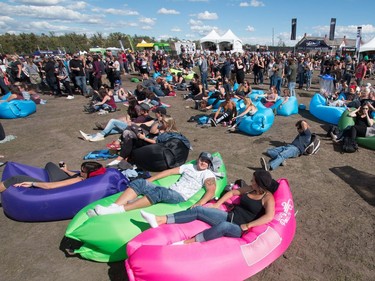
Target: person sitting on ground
point(28, 94)
point(228, 107)
point(119, 93)
point(256, 207)
point(296, 148)
point(250, 110)
point(180, 82)
point(151, 84)
point(218, 95)
point(108, 102)
point(135, 137)
point(58, 176)
point(363, 124)
point(119, 125)
point(193, 178)
point(167, 88)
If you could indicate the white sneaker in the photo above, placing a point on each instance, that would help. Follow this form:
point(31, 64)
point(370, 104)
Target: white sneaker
point(97, 137)
point(112, 209)
point(113, 163)
point(150, 218)
point(85, 136)
point(70, 97)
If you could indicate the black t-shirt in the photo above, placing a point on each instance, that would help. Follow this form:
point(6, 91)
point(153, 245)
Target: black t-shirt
point(74, 63)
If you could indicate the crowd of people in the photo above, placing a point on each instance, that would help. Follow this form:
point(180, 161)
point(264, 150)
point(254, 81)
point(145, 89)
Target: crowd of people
point(221, 77)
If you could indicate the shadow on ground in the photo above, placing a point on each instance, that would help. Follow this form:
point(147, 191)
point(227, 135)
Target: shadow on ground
point(363, 183)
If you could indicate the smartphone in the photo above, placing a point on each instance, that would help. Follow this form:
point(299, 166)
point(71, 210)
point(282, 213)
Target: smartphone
point(61, 164)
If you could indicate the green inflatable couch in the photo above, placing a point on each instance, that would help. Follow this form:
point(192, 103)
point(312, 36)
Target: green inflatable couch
point(346, 121)
point(105, 238)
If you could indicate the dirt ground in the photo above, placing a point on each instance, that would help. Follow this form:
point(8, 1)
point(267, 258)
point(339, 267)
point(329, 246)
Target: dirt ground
point(334, 194)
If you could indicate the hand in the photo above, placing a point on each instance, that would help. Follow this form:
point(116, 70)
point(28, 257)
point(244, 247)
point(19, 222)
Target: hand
point(141, 136)
point(196, 205)
point(244, 227)
point(24, 184)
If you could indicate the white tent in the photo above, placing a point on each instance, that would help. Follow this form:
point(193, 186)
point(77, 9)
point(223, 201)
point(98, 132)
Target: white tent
point(211, 37)
point(235, 43)
point(368, 47)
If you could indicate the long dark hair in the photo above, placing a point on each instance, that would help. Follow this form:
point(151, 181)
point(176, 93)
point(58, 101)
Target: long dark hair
point(90, 166)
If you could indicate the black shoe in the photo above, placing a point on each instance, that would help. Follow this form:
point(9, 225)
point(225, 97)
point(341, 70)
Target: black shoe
point(213, 123)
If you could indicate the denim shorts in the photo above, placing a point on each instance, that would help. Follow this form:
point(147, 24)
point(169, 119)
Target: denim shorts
point(155, 193)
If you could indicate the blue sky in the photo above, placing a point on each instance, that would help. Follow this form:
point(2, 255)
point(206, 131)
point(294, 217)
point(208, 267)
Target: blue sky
point(253, 21)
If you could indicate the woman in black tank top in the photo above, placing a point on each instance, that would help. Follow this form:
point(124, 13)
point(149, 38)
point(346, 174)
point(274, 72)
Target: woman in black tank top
point(257, 207)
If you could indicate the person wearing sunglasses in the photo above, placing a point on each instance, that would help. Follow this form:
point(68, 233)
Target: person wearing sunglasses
point(59, 176)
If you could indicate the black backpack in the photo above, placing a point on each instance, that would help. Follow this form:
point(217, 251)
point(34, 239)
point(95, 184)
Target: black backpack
point(349, 145)
point(314, 145)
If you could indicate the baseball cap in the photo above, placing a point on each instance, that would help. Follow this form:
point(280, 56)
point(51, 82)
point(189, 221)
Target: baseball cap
point(161, 110)
point(206, 156)
point(145, 107)
point(117, 82)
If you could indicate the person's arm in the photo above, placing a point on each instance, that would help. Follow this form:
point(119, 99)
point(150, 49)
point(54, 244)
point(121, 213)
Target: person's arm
point(142, 136)
point(103, 100)
point(210, 186)
point(49, 185)
point(218, 110)
point(370, 121)
point(165, 173)
point(230, 194)
point(19, 70)
point(354, 112)
point(269, 206)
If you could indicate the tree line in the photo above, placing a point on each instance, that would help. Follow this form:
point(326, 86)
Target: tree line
point(28, 43)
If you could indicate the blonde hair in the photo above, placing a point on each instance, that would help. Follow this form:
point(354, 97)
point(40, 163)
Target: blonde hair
point(169, 123)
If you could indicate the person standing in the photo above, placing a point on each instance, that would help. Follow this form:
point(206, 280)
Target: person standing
point(78, 69)
point(203, 68)
point(292, 77)
point(360, 73)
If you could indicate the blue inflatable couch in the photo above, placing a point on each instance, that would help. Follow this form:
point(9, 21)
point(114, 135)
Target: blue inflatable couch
point(16, 108)
point(329, 114)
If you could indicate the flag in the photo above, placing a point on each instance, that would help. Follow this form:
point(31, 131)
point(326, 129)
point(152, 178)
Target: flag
point(294, 29)
point(332, 29)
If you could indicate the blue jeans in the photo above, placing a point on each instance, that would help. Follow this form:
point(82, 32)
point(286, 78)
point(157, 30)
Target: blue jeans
point(114, 126)
point(301, 78)
point(279, 154)
point(81, 83)
point(292, 87)
point(204, 76)
point(157, 91)
point(277, 80)
point(155, 193)
point(216, 218)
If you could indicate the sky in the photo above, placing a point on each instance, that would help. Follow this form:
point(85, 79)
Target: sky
point(264, 22)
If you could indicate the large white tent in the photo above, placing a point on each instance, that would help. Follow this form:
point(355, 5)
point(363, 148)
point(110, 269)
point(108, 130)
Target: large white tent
point(368, 47)
point(228, 42)
point(229, 39)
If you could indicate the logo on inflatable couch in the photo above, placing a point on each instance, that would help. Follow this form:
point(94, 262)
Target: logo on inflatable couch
point(284, 217)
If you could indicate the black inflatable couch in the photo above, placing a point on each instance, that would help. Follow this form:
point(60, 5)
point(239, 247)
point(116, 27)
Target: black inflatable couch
point(161, 156)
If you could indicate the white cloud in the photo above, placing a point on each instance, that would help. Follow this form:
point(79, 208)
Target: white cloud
point(147, 20)
point(164, 11)
point(39, 2)
point(198, 0)
point(77, 5)
point(53, 12)
point(252, 3)
point(146, 27)
point(202, 29)
point(250, 28)
point(118, 12)
point(176, 29)
point(206, 15)
point(164, 36)
point(195, 22)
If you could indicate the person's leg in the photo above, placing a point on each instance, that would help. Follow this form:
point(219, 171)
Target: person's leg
point(114, 126)
point(79, 83)
point(274, 152)
point(288, 151)
point(211, 216)
point(55, 173)
point(222, 229)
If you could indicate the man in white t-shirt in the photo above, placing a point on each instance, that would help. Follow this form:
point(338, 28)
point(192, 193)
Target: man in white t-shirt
point(193, 178)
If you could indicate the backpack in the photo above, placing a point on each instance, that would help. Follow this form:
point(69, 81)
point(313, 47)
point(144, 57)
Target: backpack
point(349, 145)
point(314, 145)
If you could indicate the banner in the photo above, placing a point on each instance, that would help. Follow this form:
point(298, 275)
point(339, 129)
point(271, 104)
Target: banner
point(332, 29)
point(358, 42)
point(294, 29)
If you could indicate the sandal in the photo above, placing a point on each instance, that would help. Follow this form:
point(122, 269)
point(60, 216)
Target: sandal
point(114, 145)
